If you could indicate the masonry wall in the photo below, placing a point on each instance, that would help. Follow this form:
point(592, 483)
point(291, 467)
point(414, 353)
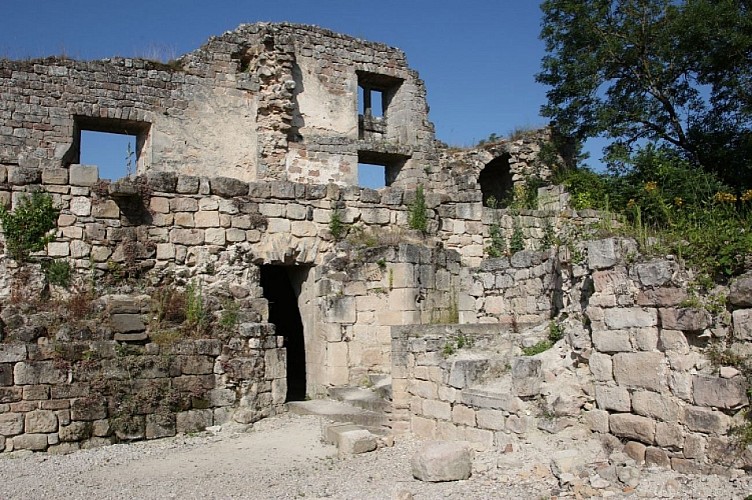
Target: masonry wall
point(644, 362)
point(265, 101)
point(82, 391)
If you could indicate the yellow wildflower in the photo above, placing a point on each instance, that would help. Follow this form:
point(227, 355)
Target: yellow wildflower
point(630, 203)
point(678, 201)
point(651, 186)
point(723, 197)
point(747, 195)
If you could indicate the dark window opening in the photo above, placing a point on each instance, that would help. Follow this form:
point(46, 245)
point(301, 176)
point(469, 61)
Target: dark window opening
point(281, 285)
point(371, 102)
point(375, 94)
point(496, 182)
point(115, 146)
point(377, 170)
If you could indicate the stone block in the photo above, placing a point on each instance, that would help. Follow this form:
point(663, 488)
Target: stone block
point(706, 420)
point(89, 408)
point(685, 319)
point(657, 457)
point(632, 317)
point(33, 442)
point(76, 431)
point(38, 372)
point(80, 206)
point(215, 236)
point(189, 237)
point(437, 409)
point(58, 176)
point(127, 323)
point(612, 398)
point(645, 370)
point(206, 219)
point(719, 392)
point(518, 424)
point(630, 426)
point(494, 420)
point(526, 376)
point(194, 420)
point(597, 420)
point(105, 209)
point(24, 175)
point(159, 426)
point(187, 184)
point(354, 442)
point(83, 175)
point(40, 421)
point(673, 340)
point(669, 435)
point(463, 415)
point(742, 324)
point(423, 428)
point(601, 367)
point(655, 405)
point(612, 340)
point(439, 461)
point(661, 297)
point(163, 182)
point(635, 451)
point(12, 353)
point(58, 249)
point(606, 253)
point(11, 424)
point(740, 292)
point(657, 272)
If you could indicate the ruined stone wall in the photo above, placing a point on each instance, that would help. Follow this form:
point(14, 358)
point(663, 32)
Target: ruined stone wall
point(266, 101)
point(645, 362)
point(83, 390)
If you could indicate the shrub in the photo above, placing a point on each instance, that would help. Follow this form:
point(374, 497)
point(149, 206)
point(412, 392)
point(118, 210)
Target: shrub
point(57, 272)
point(27, 228)
point(497, 246)
point(336, 226)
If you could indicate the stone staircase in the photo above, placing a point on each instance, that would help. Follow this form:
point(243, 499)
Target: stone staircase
point(360, 416)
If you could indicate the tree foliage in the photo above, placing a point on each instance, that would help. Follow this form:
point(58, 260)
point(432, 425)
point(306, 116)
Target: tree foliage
point(673, 73)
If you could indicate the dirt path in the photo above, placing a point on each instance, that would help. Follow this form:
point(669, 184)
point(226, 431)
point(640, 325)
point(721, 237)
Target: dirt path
point(283, 458)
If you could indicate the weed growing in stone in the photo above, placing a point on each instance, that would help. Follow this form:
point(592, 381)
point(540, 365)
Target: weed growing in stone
point(337, 227)
point(417, 217)
point(58, 272)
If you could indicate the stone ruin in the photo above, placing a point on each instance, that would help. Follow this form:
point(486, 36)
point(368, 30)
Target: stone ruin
point(243, 268)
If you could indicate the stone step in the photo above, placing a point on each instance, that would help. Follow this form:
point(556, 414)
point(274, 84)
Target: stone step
point(337, 411)
point(491, 398)
point(360, 397)
point(382, 386)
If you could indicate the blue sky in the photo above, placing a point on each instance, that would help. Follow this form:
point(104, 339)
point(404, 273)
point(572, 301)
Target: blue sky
point(478, 58)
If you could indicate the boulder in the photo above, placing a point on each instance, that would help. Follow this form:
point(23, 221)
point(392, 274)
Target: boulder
point(440, 461)
point(740, 293)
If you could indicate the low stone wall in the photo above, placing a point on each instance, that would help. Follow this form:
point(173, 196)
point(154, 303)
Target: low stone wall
point(64, 395)
point(645, 361)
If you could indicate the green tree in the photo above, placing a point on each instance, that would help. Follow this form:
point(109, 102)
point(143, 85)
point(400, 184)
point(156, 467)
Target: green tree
point(674, 73)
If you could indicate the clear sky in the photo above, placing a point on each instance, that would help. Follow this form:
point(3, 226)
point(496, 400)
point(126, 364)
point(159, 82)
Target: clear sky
point(477, 57)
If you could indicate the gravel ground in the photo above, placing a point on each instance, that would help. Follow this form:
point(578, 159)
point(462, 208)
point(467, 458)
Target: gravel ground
point(283, 457)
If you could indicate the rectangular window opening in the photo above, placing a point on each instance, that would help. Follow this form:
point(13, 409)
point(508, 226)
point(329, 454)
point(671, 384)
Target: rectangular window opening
point(377, 169)
point(371, 176)
point(114, 154)
point(117, 147)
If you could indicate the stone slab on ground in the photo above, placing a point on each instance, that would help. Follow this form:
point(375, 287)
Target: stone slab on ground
point(439, 461)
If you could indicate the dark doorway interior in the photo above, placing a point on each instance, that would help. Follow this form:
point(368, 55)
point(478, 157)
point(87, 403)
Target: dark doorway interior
point(496, 182)
point(281, 286)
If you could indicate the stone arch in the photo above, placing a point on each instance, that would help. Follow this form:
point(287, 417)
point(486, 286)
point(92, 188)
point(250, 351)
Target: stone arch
point(496, 179)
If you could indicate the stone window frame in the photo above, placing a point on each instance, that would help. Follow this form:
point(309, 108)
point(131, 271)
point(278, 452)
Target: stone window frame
point(139, 129)
point(387, 86)
point(392, 163)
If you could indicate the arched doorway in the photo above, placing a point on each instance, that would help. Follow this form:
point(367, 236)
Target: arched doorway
point(496, 181)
